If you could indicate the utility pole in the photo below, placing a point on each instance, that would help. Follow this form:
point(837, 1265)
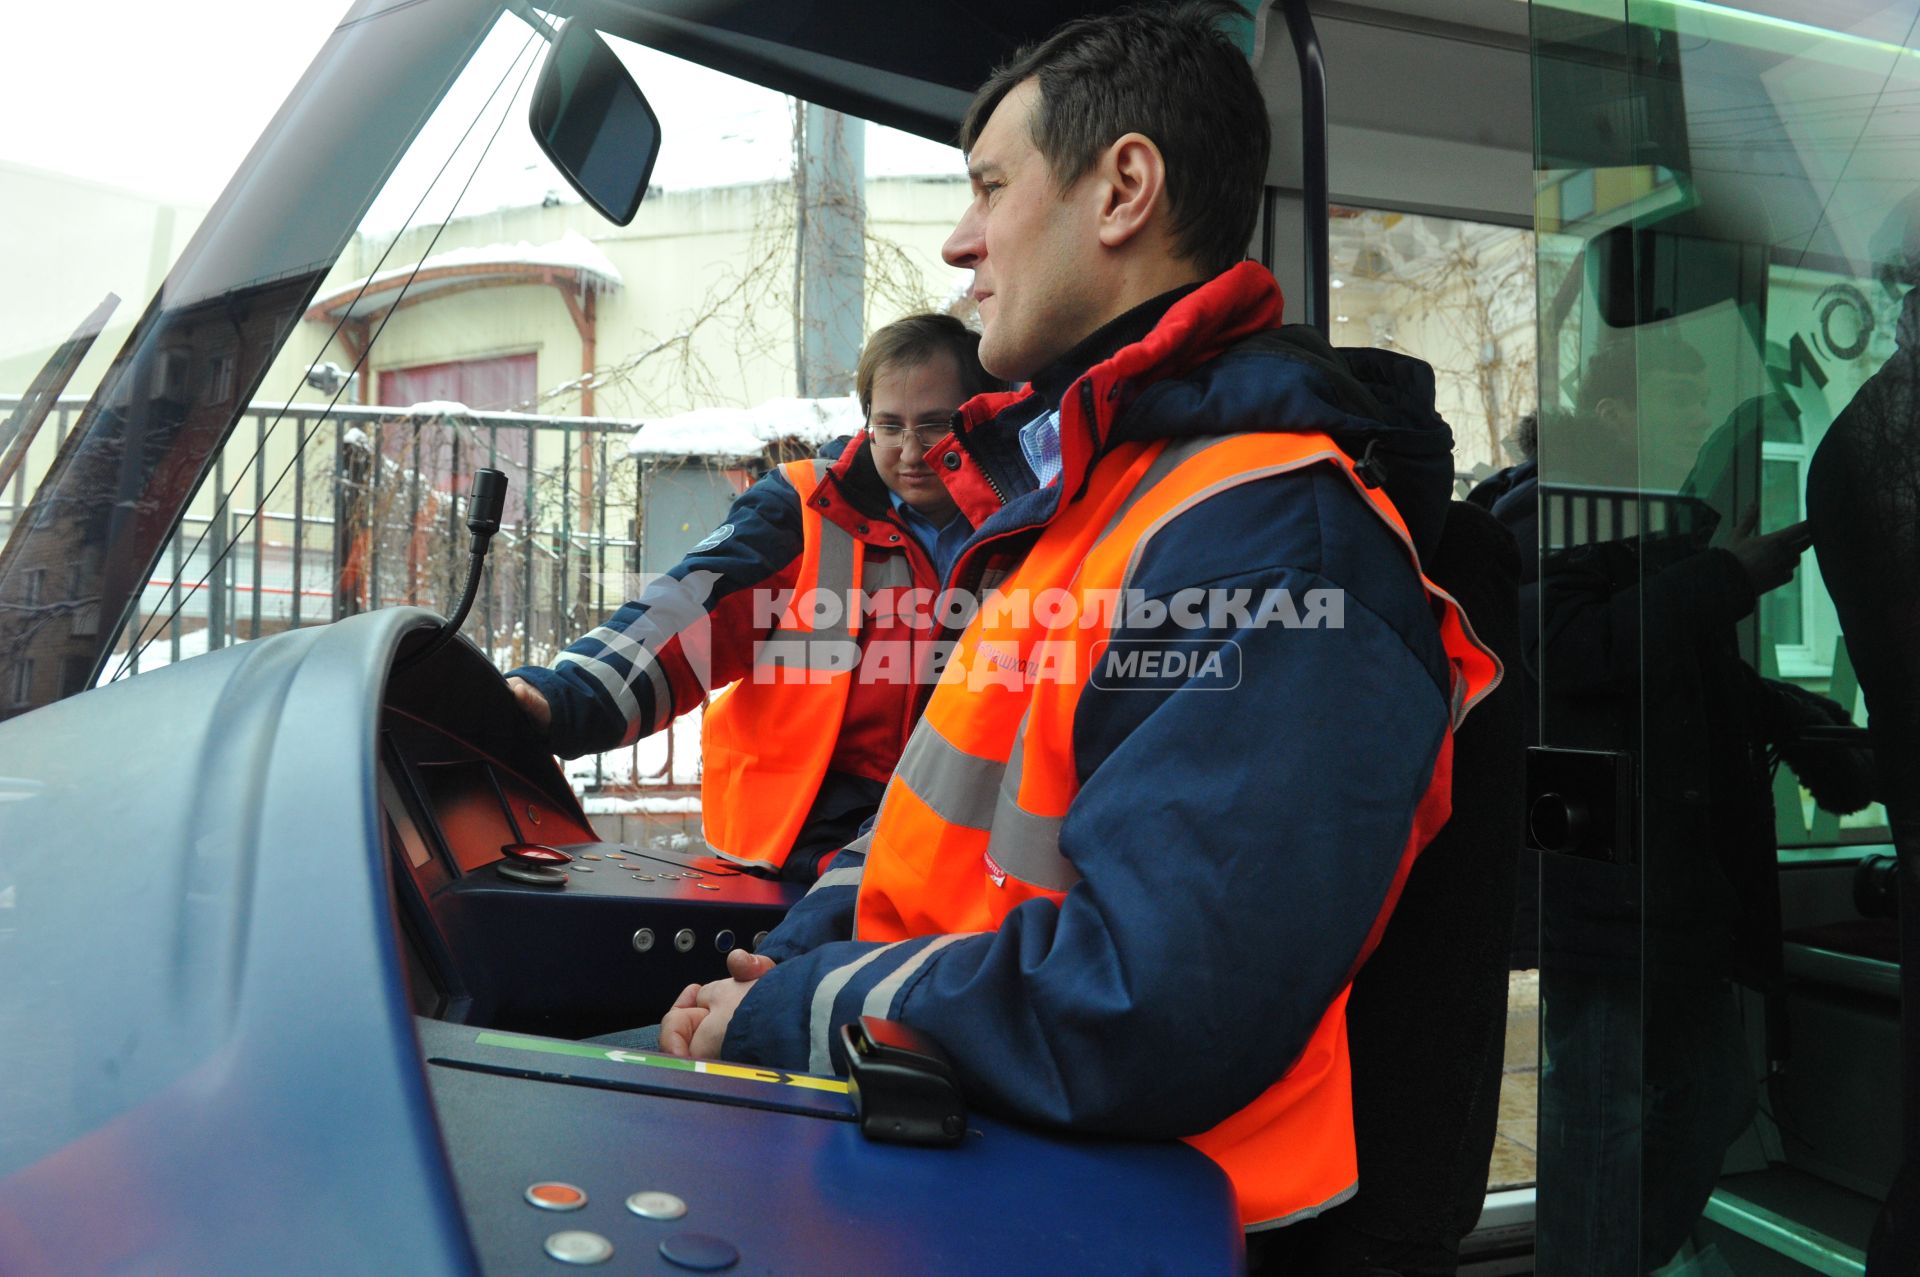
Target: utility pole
point(830, 203)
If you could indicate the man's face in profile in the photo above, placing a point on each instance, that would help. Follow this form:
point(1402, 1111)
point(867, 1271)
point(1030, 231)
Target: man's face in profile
point(1033, 249)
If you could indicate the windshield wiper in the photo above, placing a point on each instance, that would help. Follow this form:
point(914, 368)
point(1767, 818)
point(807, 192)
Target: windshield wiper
point(17, 435)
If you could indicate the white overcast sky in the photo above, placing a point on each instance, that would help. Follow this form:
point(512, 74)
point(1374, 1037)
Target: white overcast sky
point(166, 99)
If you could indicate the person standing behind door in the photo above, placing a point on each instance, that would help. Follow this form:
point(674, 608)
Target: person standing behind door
point(803, 600)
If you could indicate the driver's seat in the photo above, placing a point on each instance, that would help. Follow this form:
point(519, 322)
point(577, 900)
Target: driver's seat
point(1427, 1019)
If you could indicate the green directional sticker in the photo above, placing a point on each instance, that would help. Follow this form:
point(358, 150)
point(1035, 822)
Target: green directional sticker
point(620, 1055)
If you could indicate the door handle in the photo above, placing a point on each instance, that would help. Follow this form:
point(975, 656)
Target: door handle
point(1580, 802)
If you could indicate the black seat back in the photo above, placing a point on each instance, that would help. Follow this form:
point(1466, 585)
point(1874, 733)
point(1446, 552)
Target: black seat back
point(1427, 1020)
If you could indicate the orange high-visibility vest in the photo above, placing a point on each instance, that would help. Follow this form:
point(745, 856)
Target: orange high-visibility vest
point(765, 742)
point(969, 828)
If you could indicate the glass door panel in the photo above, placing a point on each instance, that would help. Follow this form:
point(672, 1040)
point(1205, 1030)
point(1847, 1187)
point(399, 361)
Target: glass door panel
point(1725, 593)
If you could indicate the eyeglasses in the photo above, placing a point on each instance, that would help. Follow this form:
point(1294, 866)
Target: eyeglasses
point(892, 436)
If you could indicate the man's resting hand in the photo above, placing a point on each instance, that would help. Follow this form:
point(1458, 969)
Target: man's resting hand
point(697, 1023)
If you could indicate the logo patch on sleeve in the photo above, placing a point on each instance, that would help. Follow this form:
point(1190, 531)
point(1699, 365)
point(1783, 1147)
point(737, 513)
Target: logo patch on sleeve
point(714, 538)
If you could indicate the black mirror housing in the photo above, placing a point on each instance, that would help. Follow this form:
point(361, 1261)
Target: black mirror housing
point(594, 123)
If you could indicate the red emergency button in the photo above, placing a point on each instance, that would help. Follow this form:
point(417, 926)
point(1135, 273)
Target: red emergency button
point(552, 1195)
point(535, 853)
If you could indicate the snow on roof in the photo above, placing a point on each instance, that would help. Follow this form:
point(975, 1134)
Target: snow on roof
point(572, 250)
point(744, 432)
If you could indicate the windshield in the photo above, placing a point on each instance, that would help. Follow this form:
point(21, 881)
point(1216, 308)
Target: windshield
point(283, 434)
point(213, 287)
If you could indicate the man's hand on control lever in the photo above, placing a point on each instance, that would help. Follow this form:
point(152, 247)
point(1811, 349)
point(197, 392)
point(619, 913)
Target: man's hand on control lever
point(697, 1023)
point(532, 703)
point(1769, 561)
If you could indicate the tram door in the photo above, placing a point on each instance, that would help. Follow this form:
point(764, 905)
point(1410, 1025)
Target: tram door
point(1728, 205)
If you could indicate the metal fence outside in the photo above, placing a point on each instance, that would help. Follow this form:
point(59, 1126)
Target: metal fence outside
point(313, 513)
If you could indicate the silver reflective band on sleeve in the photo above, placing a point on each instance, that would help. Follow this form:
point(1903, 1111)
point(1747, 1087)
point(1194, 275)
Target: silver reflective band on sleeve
point(880, 997)
point(849, 877)
point(611, 679)
point(674, 605)
point(820, 1025)
point(961, 788)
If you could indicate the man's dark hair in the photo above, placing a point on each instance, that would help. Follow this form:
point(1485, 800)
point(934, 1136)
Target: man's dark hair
point(1526, 436)
point(1166, 72)
point(910, 342)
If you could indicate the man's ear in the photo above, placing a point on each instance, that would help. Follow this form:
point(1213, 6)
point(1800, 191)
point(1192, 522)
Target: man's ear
point(1133, 176)
point(1614, 413)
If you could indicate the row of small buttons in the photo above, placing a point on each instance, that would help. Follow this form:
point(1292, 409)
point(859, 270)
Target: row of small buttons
point(684, 940)
point(694, 1251)
point(660, 875)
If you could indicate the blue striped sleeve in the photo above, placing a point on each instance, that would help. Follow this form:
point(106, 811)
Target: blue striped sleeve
point(690, 630)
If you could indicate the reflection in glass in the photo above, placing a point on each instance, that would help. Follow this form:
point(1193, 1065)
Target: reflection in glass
point(1719, 293)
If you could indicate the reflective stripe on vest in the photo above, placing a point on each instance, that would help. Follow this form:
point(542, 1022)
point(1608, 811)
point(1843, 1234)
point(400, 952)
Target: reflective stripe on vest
point(766, 741)
point(970, 826)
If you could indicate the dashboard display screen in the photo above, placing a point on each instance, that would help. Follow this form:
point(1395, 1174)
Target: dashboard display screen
point(466, 804)
point(412, 844)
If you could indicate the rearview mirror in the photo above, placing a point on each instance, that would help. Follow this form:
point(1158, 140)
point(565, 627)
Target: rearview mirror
point(594, 123)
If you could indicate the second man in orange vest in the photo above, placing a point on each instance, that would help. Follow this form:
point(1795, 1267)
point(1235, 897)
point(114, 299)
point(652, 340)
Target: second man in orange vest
point(812, 600)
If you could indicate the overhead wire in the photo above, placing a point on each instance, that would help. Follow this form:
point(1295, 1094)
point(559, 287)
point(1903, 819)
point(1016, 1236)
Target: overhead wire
point(141, 640)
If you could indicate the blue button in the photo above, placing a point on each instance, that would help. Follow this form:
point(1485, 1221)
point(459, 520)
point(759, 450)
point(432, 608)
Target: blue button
point(699, 1252)
point(723, 941)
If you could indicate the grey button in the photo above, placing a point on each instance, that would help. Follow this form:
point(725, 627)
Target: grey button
point(952, 460)
point(665, 874)
point(581, 869)
point(643, 877)
point(614, 855)
point(579, 1248)
point(699, 1252)
point(706, 886)
point(759, 938)
point(691, 873)
point(656, 1206)
point(587, 855)
point(723, 941)
point(683, 939)
point(553, 1195)
point(643, 940)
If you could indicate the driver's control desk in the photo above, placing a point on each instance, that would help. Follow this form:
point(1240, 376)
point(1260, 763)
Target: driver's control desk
point(571, 1154)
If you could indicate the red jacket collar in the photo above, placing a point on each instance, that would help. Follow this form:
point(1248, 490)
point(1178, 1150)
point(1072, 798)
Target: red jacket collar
point(1227, 309)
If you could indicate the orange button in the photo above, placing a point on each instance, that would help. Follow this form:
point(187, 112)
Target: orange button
point(552, 1195)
